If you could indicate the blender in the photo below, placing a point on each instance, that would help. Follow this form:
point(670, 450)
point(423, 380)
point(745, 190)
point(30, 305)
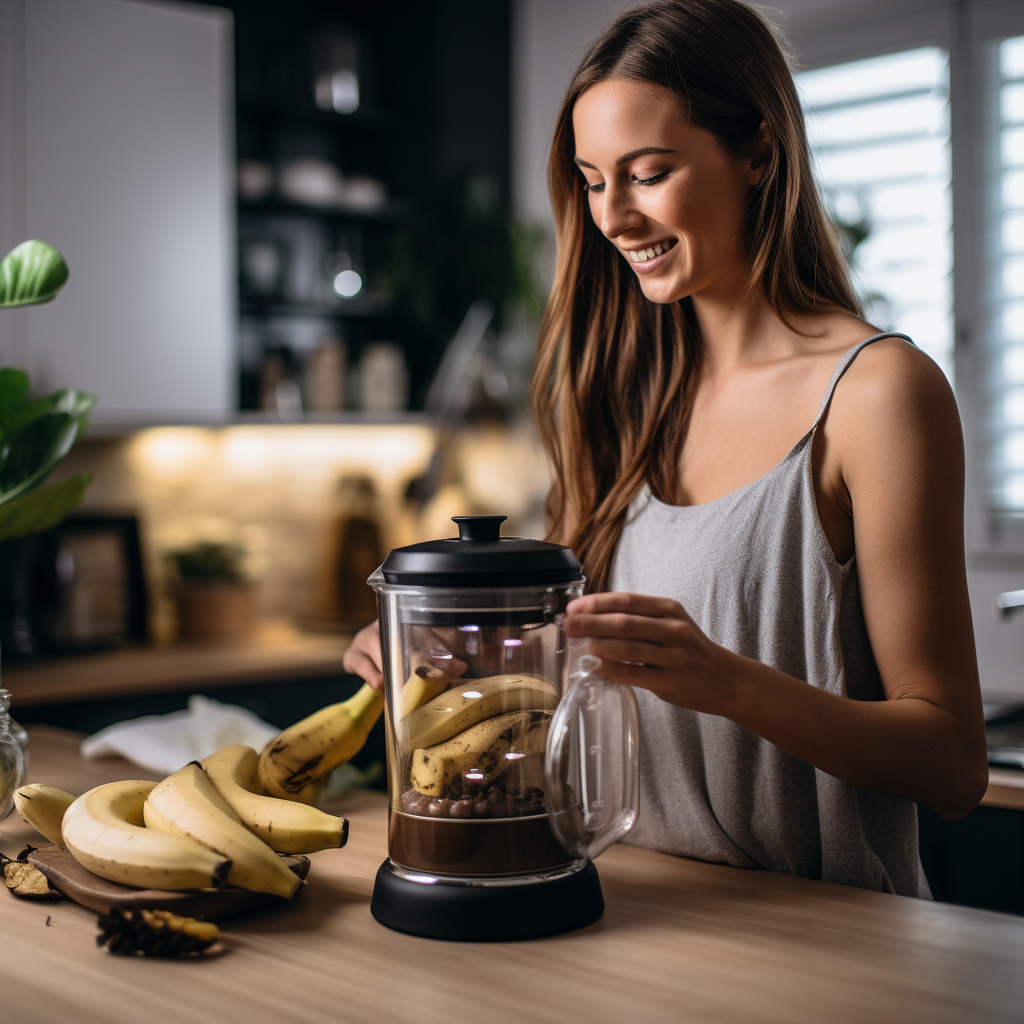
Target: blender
point(511, 763)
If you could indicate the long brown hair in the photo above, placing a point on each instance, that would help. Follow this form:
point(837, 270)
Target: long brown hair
point(615, 371)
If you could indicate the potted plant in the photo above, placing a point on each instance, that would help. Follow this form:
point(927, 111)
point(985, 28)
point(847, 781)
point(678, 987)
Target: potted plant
point(35, 435)
point(215, 590)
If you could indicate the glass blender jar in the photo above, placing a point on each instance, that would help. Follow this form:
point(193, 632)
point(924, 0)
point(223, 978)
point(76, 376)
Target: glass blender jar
point(510, 763)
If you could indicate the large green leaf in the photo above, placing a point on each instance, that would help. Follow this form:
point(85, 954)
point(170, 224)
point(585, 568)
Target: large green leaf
point(69, 400)
point(31, 273)
point(42, 509)
point(33, 453)
point(13, 389)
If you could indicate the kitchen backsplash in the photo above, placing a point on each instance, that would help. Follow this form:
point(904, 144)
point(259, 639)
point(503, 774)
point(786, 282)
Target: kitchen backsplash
point(284, 490)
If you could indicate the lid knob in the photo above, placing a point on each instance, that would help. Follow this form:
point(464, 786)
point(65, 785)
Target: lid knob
point(479, 527)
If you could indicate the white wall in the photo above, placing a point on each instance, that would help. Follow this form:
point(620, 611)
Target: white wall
point(118, 118)
point(551, 37)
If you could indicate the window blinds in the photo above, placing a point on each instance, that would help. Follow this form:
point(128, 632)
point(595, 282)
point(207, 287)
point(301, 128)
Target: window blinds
point(879, 136)
point(1006, 405)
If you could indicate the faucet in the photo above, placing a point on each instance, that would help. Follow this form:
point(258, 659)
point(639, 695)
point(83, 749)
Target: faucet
point(1006, 604)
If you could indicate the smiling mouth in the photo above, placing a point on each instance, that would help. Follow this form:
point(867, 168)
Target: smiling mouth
point(650, 252)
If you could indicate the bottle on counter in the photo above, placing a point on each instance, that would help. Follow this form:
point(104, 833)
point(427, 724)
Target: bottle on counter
point(13, 766)
point(325, 377)
point(383, 378)
point(279, 389)
point(359, 550)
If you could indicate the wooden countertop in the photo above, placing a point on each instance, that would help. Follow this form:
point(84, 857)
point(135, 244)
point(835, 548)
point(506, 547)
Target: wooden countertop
point(1005, 789)
point(277, 651)
point(680, 940)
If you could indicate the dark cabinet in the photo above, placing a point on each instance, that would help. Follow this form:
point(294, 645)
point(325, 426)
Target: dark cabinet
point(977, 861)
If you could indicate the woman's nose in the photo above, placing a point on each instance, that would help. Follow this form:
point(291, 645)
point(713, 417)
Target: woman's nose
point(618, 213)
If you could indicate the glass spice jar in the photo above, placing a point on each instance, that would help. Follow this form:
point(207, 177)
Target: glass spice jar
point(12, 760)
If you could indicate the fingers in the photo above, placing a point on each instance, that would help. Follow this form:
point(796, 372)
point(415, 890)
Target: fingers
point(430, 648)
point(620, 626)
point(440, 655)
point(636, 652)
point(644, 676)
point(364, 658)
point(632, 604)
point(372, 644)
point(360, 664)
point(443, 660)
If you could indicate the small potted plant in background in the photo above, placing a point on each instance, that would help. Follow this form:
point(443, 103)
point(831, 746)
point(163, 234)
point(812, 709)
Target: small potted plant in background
point(214, 579)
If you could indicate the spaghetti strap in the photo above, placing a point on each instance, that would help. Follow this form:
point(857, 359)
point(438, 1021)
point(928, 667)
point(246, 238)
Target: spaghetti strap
point(844, 364)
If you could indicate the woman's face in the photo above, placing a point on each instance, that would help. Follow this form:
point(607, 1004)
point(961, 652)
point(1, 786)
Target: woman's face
point(657, 185)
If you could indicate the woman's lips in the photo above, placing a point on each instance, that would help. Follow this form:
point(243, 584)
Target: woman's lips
point(654, 262)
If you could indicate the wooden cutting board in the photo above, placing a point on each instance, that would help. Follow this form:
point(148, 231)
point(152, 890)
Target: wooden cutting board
point(64, 873)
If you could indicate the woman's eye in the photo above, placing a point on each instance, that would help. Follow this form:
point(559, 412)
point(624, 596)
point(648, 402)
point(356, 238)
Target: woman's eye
point(598, 187)
point(652, 180)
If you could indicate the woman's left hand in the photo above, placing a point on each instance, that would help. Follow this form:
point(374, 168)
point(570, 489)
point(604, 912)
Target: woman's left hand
point(652, 642)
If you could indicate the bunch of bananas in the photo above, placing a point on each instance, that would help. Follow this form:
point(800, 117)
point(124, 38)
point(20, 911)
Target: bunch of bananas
point(471, 730)
point(211, 823)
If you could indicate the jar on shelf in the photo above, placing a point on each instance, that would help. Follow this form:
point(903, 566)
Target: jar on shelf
point(13, 762)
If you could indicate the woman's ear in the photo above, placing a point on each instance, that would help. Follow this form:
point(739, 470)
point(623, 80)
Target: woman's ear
point(763, 144)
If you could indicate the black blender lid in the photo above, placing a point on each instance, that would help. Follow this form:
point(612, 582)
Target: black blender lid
point(481, 557)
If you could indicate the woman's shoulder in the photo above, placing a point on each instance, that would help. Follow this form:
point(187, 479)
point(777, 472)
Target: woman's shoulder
point(893, 395)
point(892, 374)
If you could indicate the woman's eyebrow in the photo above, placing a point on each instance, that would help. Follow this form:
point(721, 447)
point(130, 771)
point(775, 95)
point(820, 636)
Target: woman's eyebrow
point(626, 157)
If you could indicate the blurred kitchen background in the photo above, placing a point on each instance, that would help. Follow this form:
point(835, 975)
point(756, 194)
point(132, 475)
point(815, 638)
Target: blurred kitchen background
point(309, 246)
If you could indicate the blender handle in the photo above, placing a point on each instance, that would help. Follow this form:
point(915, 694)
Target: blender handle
point(591, 762)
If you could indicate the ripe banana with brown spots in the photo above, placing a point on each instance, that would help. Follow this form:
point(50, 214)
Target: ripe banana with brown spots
point(472, 701)
point(187, 804)
point(305, 752)
point(284, 825)
point(481, 753)
point(425, 683)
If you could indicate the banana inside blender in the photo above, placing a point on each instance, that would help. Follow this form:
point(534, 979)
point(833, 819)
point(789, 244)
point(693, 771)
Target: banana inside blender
point(472, 783)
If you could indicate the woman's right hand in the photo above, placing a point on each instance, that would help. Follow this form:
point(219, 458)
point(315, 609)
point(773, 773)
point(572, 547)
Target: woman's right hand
point(364, 659)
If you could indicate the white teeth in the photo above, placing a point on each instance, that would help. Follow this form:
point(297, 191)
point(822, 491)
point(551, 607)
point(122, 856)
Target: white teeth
point(643, 255)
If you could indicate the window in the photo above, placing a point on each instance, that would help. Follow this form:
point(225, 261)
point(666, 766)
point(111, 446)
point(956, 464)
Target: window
point(879, 136)
point(1006, 254)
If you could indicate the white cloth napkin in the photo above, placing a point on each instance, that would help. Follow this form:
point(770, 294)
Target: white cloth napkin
point(165, 743)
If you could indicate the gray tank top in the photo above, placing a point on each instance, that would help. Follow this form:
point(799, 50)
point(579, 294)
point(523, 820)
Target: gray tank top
point(757, 574)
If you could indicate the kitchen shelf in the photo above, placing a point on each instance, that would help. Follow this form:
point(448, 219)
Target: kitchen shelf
point(365, 118)
point(349, 309)
point(393, 212)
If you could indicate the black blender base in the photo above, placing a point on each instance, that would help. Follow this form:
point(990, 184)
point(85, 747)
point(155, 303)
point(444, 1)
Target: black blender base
point(493, 913)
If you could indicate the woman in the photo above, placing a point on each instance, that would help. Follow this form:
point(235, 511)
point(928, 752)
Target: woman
point(766, 492)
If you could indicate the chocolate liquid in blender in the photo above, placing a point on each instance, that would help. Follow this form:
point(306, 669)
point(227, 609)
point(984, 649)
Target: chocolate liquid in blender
point(496, 829)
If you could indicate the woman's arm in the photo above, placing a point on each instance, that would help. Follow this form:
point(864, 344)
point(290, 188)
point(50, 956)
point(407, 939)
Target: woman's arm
point(895, 459)
point(364, 658)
